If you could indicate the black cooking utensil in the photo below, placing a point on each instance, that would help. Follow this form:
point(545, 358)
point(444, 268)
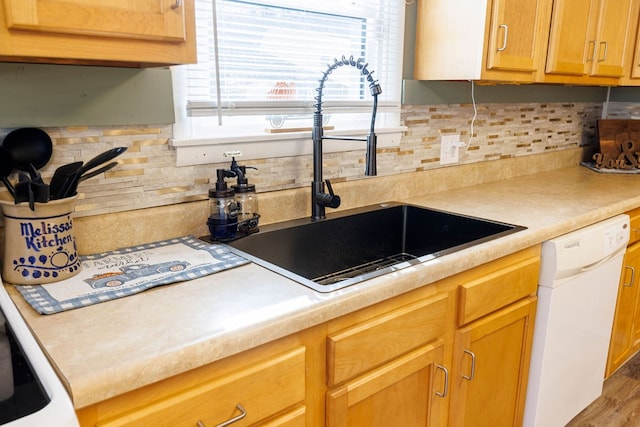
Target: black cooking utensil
point(40, 191)
point(60, 182)
point(35, 174)
point(28, 146)
point(24, 191)
point(103, 158)
point(28, 190)
point(91, 164)
point(6, 167)
point(97, 171)
point(71, 184)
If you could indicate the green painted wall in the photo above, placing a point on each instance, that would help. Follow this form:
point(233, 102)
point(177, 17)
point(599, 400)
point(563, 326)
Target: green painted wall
point(65, 95)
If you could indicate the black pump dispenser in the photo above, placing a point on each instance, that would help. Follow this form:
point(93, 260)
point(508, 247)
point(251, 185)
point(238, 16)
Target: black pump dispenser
point(241, 174)
point(242, 185)
point(246, 199)
point(221, 189)
point(223, 209)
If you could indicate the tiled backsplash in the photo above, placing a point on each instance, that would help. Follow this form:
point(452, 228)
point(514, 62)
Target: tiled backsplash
point(148, 177)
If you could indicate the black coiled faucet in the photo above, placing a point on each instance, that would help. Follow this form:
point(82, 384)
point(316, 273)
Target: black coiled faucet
point(320, 199)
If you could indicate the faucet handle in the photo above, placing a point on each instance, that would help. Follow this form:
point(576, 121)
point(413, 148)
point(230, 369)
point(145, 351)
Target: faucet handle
point(330, 200)
point(329, 187)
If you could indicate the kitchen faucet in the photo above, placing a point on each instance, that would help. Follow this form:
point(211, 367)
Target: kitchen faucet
point(320, 199)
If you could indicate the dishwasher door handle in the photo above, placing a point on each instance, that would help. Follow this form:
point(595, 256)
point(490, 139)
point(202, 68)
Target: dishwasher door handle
point(603, 260)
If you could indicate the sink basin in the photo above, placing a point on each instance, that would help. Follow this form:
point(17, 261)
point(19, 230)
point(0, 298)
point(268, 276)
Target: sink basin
point(351, 246)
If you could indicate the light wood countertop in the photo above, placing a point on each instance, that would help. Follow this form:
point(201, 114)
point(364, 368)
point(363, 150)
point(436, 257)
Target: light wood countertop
point(110, 348)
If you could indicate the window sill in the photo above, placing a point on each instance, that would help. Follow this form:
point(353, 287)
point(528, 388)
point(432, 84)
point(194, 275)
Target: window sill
point(203, 151)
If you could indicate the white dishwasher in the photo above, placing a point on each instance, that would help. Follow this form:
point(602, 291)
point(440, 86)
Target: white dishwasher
point(578, 285)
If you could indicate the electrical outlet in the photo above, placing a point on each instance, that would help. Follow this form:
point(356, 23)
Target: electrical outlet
point(449, 149)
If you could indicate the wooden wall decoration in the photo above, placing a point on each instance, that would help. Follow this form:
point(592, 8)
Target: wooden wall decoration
point(619, 142)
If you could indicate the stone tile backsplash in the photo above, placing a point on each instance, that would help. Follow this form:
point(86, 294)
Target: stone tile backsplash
point(148, 177)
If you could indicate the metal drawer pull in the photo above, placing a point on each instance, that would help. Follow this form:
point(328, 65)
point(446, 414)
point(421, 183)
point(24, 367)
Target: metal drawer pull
point(633, 276)
point(604, 56)
point(177, 4)
point(506, 36)
point(446, 382)
point(592, 45)
point(473, 366)
point(243, 414)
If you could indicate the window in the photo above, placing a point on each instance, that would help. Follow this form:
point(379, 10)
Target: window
point(260, 63)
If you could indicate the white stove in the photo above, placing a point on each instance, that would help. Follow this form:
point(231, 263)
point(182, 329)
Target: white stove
point(31, 393)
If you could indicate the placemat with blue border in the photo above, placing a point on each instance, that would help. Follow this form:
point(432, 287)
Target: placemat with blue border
point(123, 272)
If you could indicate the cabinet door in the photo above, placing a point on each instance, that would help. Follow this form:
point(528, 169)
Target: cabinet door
point(571, 35)
point(633, 260)
point(513, 34)
point(611, 38)
point(406, 392)
point(491, 367)
point(634, 64)
point(140, 19)
point(98, 32)
point(624, 332)
point(589, 37)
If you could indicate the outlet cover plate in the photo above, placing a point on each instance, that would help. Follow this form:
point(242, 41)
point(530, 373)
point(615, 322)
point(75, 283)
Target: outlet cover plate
point(449, 149)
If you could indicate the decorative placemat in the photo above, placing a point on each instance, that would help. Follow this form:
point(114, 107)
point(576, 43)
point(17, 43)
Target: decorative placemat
point(123, 272)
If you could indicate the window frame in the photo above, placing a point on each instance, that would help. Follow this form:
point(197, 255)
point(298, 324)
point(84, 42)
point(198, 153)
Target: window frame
point(195, 147)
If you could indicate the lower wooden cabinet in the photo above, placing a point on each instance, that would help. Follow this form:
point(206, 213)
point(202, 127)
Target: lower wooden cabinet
point(491, 367)
point(389, 370)
point(455, 352)
point(408, 392)
point(625, 334)
point(270, 392)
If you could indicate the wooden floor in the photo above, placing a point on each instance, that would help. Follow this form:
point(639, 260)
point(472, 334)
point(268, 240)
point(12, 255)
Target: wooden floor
point(619, 404)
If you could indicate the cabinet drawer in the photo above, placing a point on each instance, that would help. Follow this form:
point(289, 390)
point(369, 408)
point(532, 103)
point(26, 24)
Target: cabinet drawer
point(293, 418)
point(497, 289)
point(263, 389)
point(634, 235)
point(359, 348)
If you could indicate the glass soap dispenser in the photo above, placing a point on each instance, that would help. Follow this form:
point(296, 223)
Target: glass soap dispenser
point(246, 199)
point(223, 209)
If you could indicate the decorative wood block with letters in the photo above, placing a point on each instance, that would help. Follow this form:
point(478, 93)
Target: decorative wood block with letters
point(619, 144)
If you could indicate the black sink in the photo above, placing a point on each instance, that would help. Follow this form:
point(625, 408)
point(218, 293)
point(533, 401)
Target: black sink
point(351, 246)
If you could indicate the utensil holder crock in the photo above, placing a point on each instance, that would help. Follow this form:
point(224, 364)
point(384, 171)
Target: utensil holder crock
point(39, 245)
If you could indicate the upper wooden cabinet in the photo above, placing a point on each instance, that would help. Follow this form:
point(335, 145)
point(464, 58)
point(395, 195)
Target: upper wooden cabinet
point(513, 40)
point(109, 32)
point(500, 40)
point(588, 41)
point(632, 61)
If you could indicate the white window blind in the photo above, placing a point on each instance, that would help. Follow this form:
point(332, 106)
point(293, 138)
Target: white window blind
point(260, 62)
